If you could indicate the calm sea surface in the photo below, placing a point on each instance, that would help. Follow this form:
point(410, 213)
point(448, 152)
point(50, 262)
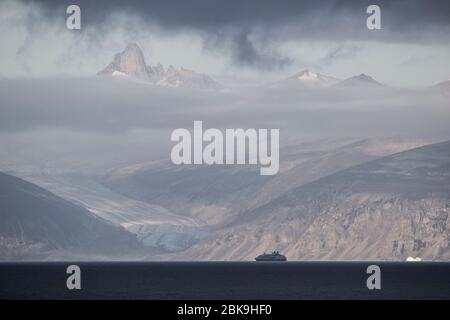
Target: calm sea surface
point(225, 280)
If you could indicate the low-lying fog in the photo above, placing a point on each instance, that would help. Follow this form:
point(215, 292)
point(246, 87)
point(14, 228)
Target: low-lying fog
point(92, 124)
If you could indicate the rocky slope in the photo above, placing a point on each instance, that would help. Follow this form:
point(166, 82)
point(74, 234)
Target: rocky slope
point(217, 194)
point(36, 224)
point(389, 208)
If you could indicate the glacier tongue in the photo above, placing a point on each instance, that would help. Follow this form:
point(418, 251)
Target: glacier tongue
point(153, 225)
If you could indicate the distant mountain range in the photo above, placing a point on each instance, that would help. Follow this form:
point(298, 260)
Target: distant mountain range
point(131, 63)
point(309, 80)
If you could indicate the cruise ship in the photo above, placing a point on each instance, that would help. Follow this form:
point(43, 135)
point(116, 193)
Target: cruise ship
point(274, 256)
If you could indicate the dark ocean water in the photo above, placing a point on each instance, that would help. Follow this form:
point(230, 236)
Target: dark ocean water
point(225, 280)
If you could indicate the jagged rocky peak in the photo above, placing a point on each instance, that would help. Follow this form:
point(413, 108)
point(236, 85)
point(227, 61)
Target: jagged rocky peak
point(129, 62)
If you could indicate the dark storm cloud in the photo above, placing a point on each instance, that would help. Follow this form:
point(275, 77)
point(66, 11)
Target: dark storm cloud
point(341, 52)
point(232, 25)
point(243, 51)
point(213, 14)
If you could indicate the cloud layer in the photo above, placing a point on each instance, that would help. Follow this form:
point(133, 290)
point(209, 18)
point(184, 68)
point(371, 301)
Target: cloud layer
point(257, 38)
point(98, 122)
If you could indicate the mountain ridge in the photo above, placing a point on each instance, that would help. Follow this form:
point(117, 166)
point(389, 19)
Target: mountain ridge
point(131, 63)
point(385, 209)
point(181, 189)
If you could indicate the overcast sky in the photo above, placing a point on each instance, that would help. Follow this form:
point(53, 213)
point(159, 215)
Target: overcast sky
point(254, 38)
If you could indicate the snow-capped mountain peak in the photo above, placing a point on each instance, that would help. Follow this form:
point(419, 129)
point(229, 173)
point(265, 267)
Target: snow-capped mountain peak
point(310, 79)
point(307, 75)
